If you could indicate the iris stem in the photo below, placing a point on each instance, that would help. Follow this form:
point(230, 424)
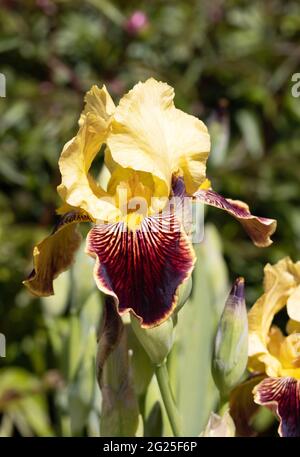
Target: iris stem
point(162, 377)
point(223, 405)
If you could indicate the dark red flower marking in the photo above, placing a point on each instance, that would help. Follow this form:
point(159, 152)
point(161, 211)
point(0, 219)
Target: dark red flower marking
point(142, 269)
point(282, 396)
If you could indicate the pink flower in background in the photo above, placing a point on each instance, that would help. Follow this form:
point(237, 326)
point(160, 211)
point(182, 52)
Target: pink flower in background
point(136, 22)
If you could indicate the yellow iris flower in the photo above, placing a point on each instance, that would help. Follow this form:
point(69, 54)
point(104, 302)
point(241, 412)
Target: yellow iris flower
point(274, 353)
point(270, 351)
point(153, 152)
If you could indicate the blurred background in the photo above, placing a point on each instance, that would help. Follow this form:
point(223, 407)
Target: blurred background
point(230, 63)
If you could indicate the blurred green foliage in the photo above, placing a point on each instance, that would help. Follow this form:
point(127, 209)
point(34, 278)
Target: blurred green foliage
point(231, 64)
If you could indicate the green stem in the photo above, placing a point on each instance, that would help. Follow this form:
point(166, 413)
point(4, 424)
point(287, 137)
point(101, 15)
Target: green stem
point(167, 397)
point(223, 405)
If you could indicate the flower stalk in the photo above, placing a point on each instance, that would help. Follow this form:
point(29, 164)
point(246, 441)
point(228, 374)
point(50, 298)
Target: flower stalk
point(162, 377)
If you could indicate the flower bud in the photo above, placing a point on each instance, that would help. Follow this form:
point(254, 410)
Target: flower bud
point(156, 341)
point(231, 342)
point(184, 292)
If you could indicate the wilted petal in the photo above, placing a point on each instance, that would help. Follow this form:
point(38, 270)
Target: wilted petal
point(282, 396)
point(119, 409)
point(110, 333)
point(258, 228)
point(142, 269)
point(242, 406)
point(55, 254)
point(149, 134)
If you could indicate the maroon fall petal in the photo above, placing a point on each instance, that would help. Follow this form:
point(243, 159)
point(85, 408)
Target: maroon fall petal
point(142, 269)
point(282, 396)
point(258, 228)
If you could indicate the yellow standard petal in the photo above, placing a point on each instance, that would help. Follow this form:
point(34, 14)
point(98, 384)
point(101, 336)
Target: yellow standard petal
point(77, 187)
point(149, 134)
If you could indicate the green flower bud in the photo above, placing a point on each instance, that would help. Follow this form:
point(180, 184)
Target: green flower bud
point(156, 341)
point(231, 342)
point(184, 292)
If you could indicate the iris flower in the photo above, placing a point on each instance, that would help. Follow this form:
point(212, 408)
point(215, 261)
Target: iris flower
point(274, 353)
point(154, 152)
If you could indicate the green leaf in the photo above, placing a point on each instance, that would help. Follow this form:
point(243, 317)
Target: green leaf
point(82, 389)
point(74, 347)
point(22, 398)
point(35, 412)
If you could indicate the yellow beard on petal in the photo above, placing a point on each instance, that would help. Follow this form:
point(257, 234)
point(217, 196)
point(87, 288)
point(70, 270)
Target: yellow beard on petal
point(133, 221)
